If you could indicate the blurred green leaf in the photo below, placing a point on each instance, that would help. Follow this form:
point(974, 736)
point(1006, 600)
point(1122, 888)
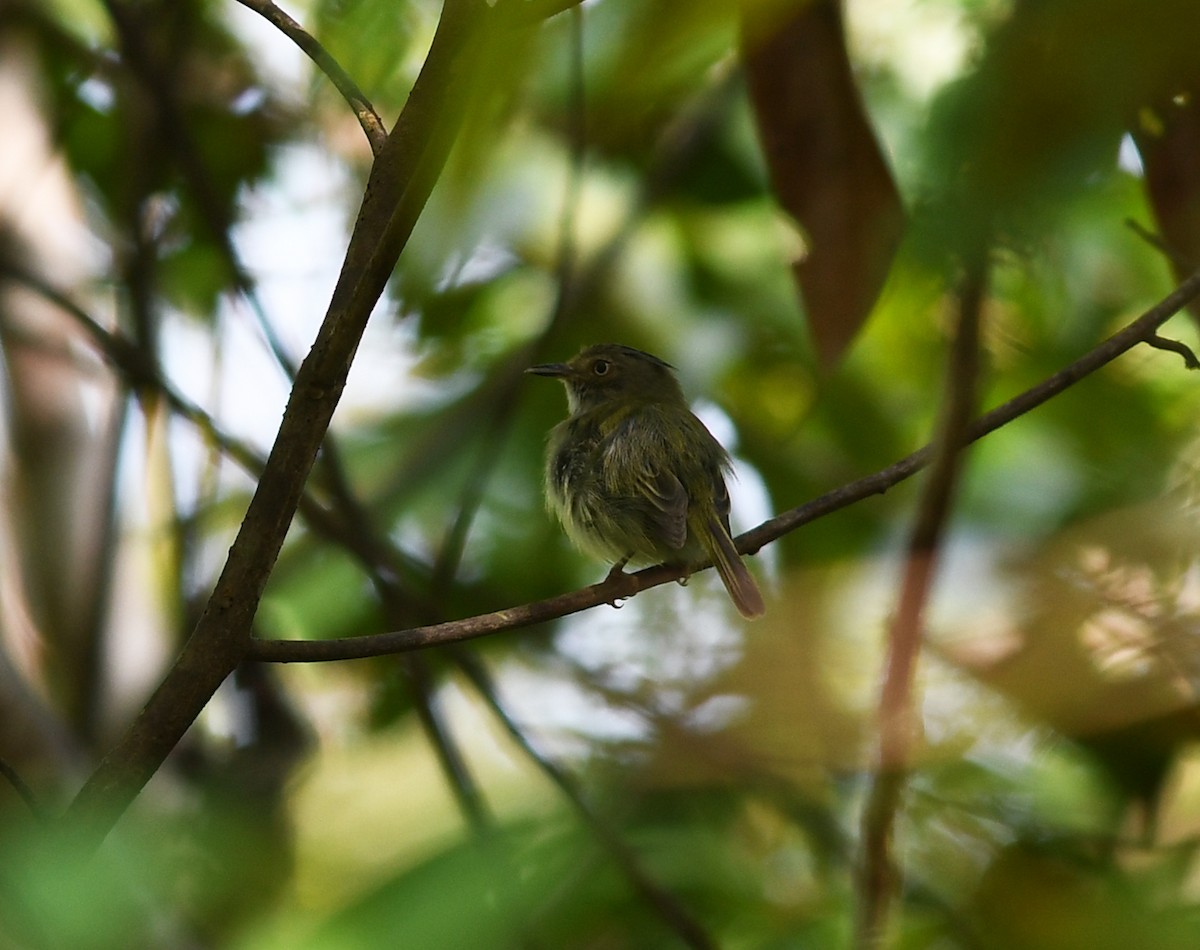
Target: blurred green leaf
point(1037, 123)
point(1054, 798)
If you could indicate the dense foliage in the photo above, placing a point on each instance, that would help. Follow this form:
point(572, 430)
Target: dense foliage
point(803, 220)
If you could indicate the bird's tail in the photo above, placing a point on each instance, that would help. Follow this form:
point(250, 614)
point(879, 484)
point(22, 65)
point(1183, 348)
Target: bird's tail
point(743, 591)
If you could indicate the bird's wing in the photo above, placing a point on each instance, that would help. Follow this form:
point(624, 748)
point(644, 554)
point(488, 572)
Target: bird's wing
point(668, 506)
point(659, 496)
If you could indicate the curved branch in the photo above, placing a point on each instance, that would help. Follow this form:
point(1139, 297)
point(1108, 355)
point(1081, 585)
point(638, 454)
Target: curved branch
point(621, 586)
point(527, 12)
point(368, 118)
point(1174, 346)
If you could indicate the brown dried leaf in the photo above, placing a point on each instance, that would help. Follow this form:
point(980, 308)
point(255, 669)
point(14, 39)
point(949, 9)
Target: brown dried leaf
point(826, 166)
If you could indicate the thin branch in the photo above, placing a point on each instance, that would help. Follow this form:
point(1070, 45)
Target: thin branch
point(1157, 242)
point(449, 754)
point(687, 928)
point(21, 787)
point(879, 874)
point(626, 585)
point(1104, 353)
point(522, 11)
point(368, 118)
point(497, 431)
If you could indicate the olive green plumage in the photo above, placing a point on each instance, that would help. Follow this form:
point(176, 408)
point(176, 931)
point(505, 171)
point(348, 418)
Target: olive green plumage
point(633, 474)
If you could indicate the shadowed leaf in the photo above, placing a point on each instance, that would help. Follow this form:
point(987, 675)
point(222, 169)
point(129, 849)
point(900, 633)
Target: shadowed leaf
point(1168, 138)
point(826, 166)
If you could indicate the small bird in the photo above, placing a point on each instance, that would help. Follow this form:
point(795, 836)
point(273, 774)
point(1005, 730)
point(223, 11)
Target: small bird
point(632, 473)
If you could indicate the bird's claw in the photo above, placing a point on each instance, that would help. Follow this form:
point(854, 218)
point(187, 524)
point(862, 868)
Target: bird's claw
point(615, 575)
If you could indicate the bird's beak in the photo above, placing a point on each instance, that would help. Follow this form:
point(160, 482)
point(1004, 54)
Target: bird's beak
point(557, 370)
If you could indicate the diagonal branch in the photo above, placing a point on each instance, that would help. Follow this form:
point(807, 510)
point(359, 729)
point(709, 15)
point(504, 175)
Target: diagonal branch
point(524, 11)
point(626, 585)
point(21, 787)
point(400, 182)
point(138, 372)
point(666, 904)
point(368, 118)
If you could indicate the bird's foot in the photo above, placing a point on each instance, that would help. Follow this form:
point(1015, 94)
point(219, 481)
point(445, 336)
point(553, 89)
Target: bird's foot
point(615, 575)
point(617, 570)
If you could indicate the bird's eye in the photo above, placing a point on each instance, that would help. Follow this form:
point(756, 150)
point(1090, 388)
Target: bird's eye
point(600, 367)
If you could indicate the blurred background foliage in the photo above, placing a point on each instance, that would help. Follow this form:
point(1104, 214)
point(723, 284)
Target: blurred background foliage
point(659, 775)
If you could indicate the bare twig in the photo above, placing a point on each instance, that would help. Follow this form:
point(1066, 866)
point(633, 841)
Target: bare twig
point(368, 118)
point(665, 904)
point(879, 874)
point(522, 11)
point(626, 585)
point(1175, 346)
